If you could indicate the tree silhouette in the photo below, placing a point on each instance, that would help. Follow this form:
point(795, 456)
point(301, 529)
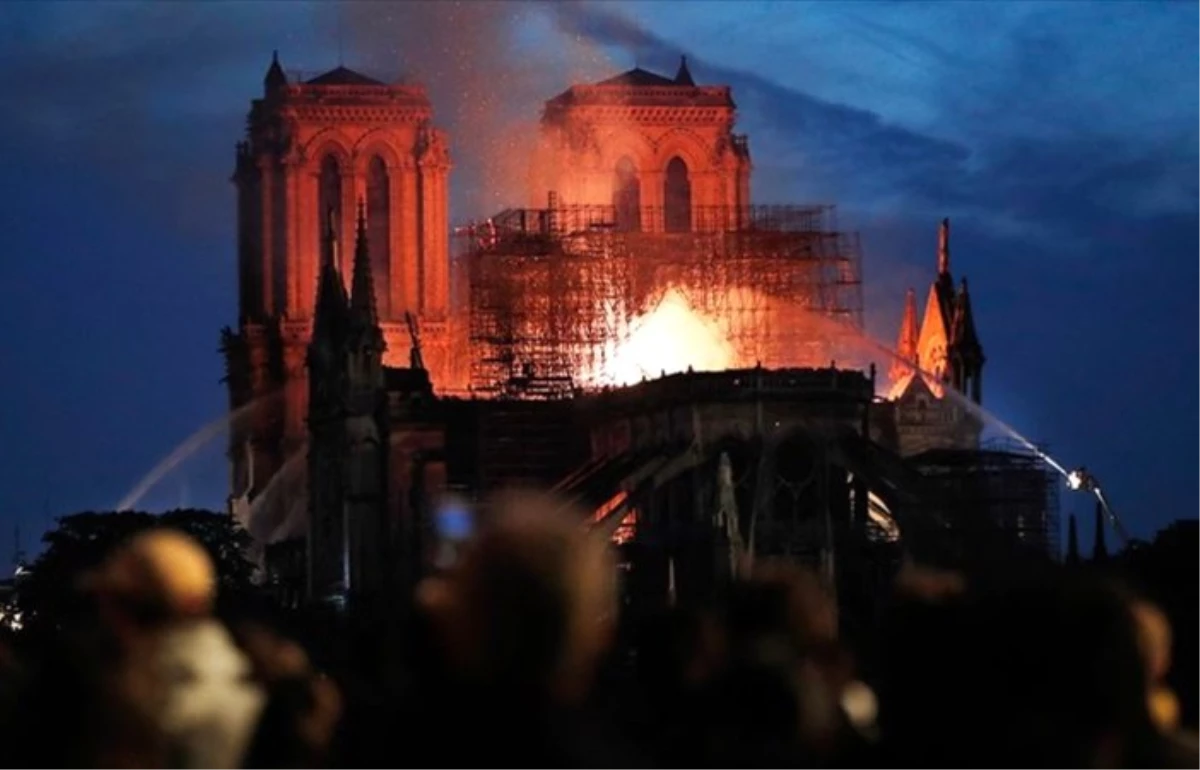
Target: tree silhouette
point(48, 594)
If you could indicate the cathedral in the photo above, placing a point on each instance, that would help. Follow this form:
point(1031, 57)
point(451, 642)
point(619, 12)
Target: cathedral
point(393, 397)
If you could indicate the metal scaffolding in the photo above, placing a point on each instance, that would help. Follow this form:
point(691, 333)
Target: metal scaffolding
point(552, 291)
point(1010, 487)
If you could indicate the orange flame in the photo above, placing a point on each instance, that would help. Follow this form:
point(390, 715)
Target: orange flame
point(670, 338)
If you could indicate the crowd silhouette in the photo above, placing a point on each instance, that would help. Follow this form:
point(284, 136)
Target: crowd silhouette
point(518, 655)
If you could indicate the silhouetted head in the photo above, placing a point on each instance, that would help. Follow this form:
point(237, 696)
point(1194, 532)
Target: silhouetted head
point(679, 650)
point(158, 576)
point(786, 667)
point(1154, 637)
point(1066, 658)
point(303, 708)
point(530, 607)
point(928, 584)
point(785, 602)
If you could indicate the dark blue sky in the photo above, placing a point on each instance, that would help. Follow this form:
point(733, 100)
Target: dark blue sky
point(1061, 138)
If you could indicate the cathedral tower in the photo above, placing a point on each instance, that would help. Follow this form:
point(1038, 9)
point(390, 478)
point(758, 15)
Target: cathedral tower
point(660, 151)
point(314, 147)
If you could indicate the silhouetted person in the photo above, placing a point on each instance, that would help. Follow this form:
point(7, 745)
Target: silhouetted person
point(1038, 674)
point(680, 653)
point(1178, 747)
point(523, 620)
point(84, 686)
point(157, 594)
point(302, 707)
point(779, 701)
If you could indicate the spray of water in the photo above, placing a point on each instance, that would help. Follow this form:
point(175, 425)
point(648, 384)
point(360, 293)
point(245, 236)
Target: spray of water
point(266, 528)
point(256, 523)
point(846, 332)
point(1076, 479)
point(962, 400)
point(190, 446)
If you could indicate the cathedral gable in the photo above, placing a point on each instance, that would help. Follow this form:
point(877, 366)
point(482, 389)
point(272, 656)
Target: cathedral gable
point(934, 338)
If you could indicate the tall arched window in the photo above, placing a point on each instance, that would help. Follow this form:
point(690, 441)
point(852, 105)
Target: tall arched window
point(627, 196)
point(379, 233)
point(329, 197)
point(677, 197)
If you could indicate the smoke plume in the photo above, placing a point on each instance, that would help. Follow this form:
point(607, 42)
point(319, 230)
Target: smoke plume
point(487, 67)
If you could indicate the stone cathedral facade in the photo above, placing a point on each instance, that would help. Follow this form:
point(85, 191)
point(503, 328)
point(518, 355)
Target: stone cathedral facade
point(312, 149)
point(346, 326)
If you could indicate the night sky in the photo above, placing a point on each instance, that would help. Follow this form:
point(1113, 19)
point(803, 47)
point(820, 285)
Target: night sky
point(1060, 138)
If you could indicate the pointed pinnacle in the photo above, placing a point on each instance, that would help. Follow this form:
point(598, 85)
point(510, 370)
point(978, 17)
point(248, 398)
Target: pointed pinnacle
point(944, 247)
point(362, 290)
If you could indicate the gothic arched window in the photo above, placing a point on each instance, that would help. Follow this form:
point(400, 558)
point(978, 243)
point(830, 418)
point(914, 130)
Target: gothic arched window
point(329, 198)
point(677, 197)
point(379, 233)
point(627, 196)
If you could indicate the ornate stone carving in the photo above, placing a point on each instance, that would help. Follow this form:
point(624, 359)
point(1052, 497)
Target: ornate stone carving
point(347, 114)
point(720, 150)
point(295, 158)
point(431, 147)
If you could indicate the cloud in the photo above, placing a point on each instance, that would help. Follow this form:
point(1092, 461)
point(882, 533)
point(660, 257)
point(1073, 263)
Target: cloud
point(802, 145)
point(1049, 184)
point(140, 99)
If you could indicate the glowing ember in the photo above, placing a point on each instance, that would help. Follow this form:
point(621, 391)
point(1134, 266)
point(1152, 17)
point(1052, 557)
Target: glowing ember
point(670, 338)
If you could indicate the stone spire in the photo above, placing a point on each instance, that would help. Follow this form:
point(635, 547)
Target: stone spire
point(1072, 542)
point(906, 342)
point(362, 288)
point(962, 330)
point(274, 78)
point(944, 247)
point(684, 76)
point(363, 314)
point(332, 305)
point(933, 341)
point(965, 352)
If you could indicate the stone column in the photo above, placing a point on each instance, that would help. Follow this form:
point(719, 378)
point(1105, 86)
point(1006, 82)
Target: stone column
point(308, 224)
point(408, 224)
point(295, 386)
point(348, 225)
point(396, 253)
point(743, 184)
point(652, 201)
point(266, 224)
point(441, 257)
point(292, 170)
point(432, 240)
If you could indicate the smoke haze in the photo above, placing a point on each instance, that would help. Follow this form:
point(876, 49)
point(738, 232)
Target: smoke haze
point(487, 67)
